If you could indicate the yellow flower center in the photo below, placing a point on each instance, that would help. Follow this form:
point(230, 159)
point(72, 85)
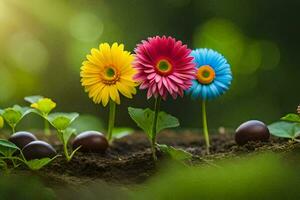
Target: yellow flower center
point(206, 74)
point(163, 67)
point(110, 75)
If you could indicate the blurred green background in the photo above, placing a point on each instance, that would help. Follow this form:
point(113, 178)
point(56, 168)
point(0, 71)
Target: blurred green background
point(43, 43)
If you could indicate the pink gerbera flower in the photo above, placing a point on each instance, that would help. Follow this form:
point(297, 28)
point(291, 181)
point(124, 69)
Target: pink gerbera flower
point(164, 66)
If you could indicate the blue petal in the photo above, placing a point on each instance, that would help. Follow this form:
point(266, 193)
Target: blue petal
point(224, 78)
point(224, 71)
point(221, 86)
point(196, 92)
point(204, 92)
point(190, 90)
point(222, 67)
point(214, 91)
point(223, 74)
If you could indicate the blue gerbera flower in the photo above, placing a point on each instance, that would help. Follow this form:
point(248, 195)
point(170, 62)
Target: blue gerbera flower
point(213, 76)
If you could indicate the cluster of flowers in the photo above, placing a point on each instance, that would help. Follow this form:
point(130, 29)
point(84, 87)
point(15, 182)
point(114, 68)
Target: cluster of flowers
point(161, 65)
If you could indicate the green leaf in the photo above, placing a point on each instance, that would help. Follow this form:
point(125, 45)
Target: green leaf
point(14, 114)
point(121, 132)
point(44, 105)
point(166, 121)
point(144, 119)
point(62, 121)
point(176, 154)
point(291, 118)
point(11, 116)
point(7, 148)
point(33, 99)
point(37, 164)
point(285, 129)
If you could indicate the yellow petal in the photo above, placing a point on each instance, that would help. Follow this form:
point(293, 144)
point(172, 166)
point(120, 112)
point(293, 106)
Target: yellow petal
point(125, 90)
point(94, 90)
point(93, 69)
point(90, 81)
point(106, 53)
point(115, 56)
point(105, 95)
point(114, 94)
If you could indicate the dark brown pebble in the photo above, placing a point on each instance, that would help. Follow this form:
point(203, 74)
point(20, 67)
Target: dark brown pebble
point(91, 141)
point(22, 138)
point(38, 150)
point(252, 130)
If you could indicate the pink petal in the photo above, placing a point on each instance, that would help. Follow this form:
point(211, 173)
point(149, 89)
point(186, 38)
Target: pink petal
point(151, 76)
point(149, 94)
point(157, 78)
point(175, 78)
point(144, 85)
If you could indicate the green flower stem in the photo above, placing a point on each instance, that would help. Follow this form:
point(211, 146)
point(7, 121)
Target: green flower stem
point(46, 127)
point(111, 120)
point(205, 128)
point(154, 131)
point(66, 151)
point(65, 145)
point(13, 128)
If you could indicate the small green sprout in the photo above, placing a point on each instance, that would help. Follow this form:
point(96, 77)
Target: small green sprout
point(7, 150)
point(289, 127)
point(43, 106)
point(13, 115)
point(145, 118)
point(37, 164)
point(61, 122)
point(176, 154)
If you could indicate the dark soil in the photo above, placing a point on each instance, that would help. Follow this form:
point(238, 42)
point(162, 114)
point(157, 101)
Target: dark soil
point(129, 160)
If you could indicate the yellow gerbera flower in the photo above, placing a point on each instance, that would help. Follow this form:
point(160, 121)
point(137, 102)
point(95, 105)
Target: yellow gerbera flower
point(108, 71)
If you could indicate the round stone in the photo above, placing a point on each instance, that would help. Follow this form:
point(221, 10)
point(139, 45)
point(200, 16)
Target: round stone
point(38, 150)
point(91, 141)
point(22, 138)
point(252, 130)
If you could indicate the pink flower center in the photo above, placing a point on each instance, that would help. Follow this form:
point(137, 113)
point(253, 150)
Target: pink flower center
point(164, 67)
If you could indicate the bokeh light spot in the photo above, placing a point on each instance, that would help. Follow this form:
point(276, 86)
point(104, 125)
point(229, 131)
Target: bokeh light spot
point(251, 58)
point(4, 14)
point(86, 27)
point(223, 36)
point(270, 55)
point(28, 53)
